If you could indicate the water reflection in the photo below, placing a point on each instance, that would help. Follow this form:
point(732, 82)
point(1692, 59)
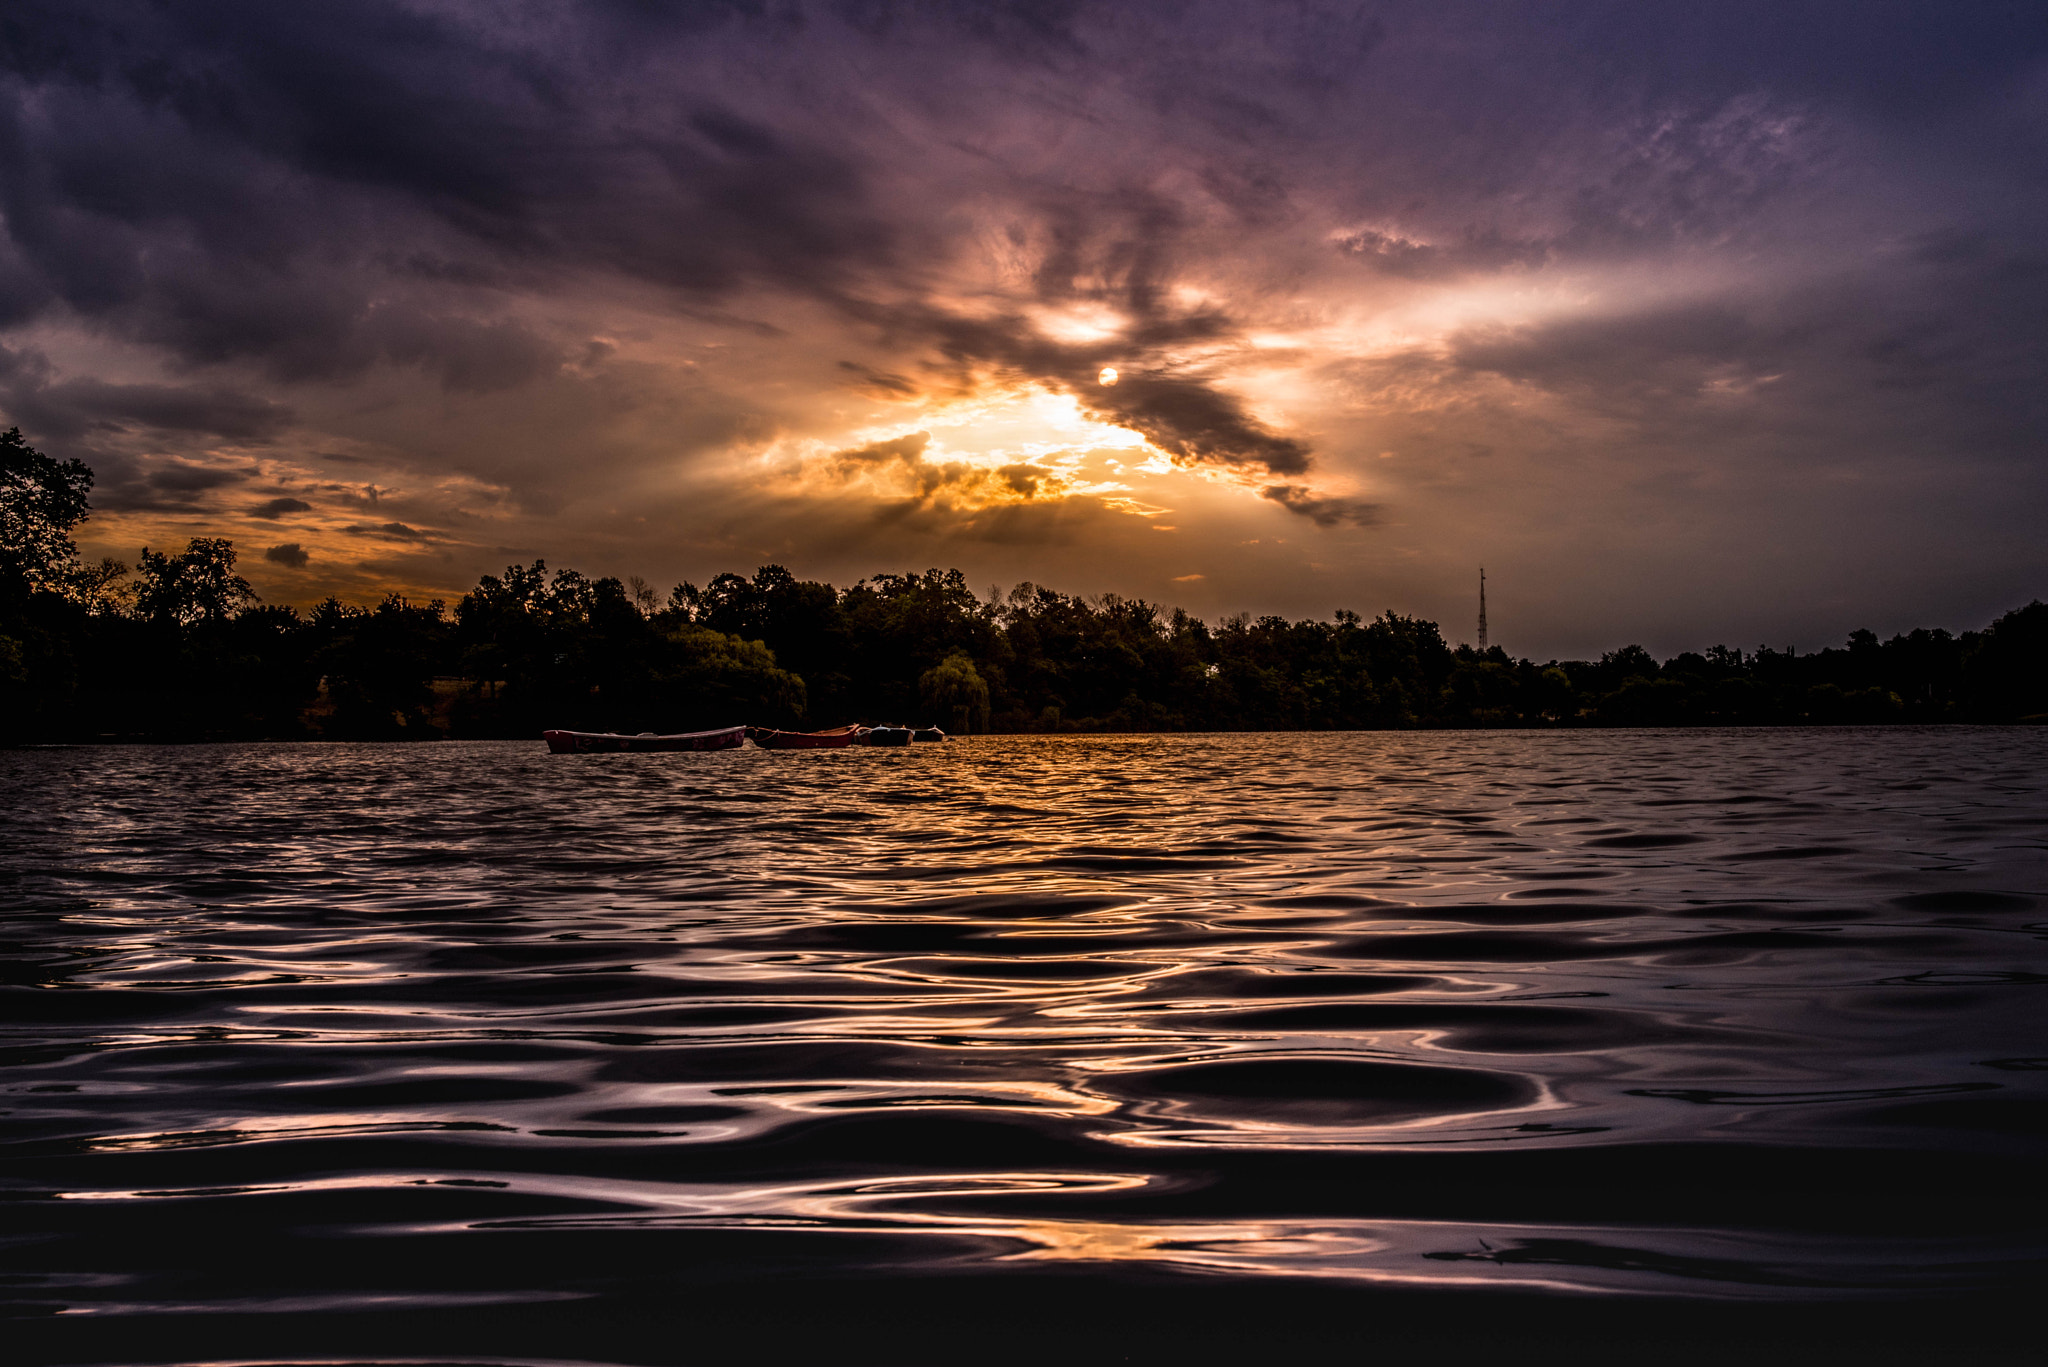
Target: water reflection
point(1612, 1011)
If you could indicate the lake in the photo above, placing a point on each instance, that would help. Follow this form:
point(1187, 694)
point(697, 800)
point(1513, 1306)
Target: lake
point(1016, 1046)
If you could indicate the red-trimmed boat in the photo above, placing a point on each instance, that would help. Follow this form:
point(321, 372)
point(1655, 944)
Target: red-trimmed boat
point(604, 742)
point(768, 738)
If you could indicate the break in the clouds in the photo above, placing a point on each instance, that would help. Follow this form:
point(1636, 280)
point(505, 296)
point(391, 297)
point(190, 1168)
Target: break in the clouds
point(1689, 322)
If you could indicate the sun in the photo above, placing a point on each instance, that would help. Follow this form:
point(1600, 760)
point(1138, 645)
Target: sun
point(1108, 375)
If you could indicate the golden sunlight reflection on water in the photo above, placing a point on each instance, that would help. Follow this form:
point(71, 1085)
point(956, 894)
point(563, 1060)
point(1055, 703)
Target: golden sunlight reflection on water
point(1405, 1008)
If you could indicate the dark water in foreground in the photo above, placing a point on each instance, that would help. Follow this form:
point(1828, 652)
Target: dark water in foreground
point(329, 1052)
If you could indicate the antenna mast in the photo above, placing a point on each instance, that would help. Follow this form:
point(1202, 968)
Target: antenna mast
point(1482, 607)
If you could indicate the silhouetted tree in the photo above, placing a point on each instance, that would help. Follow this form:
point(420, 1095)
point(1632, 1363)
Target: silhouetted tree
point(183, 651)
point(954, 694)
point(41, 501)
point(199, 584)
point(377, 666)
point(2005, 672)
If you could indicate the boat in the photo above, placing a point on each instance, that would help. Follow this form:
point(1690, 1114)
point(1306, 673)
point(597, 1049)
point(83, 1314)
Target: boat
point(883, 735)
point(605, 742)
point(927, 733)
point(768, 738)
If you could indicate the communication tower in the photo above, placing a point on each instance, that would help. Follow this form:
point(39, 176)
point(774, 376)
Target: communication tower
point(1482, 608)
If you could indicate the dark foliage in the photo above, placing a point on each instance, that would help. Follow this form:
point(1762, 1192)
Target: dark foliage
point(41, 500)
point(185, 653)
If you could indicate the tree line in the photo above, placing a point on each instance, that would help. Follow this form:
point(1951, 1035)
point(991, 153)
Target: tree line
point(178, 647)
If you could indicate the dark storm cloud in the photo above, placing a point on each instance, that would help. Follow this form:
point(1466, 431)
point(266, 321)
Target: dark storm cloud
point(177, 477)
point(165, 484)
point(907, 449)
point(437, 237)
point(506, 157)
point(70, 407)
point(879, 383)
point(1655, 352)
point(400, 123)
point(202, 409)
point(1324, 511)
point(1894, 58)
point(1187, 415)
point(1952, 343)
point(1038, 31)
point(23, 292)
point(291, 555)
point(466, 355)
point(278, 507)
point(1197, 424)
point(394, 531)
point(216, 177)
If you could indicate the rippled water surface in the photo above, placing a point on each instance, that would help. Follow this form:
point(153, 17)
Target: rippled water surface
point(338, 1034)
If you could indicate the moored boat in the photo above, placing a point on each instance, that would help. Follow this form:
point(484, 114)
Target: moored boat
point(927, 733)
point(605, 742)
point(768, 738)
point(883, 735)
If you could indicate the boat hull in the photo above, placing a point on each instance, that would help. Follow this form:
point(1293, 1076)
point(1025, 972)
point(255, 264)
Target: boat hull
point(604, 742)
point(885, 735)
point(770, 739)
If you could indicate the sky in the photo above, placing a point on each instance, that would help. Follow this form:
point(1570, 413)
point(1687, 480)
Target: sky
point(1692, 324)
